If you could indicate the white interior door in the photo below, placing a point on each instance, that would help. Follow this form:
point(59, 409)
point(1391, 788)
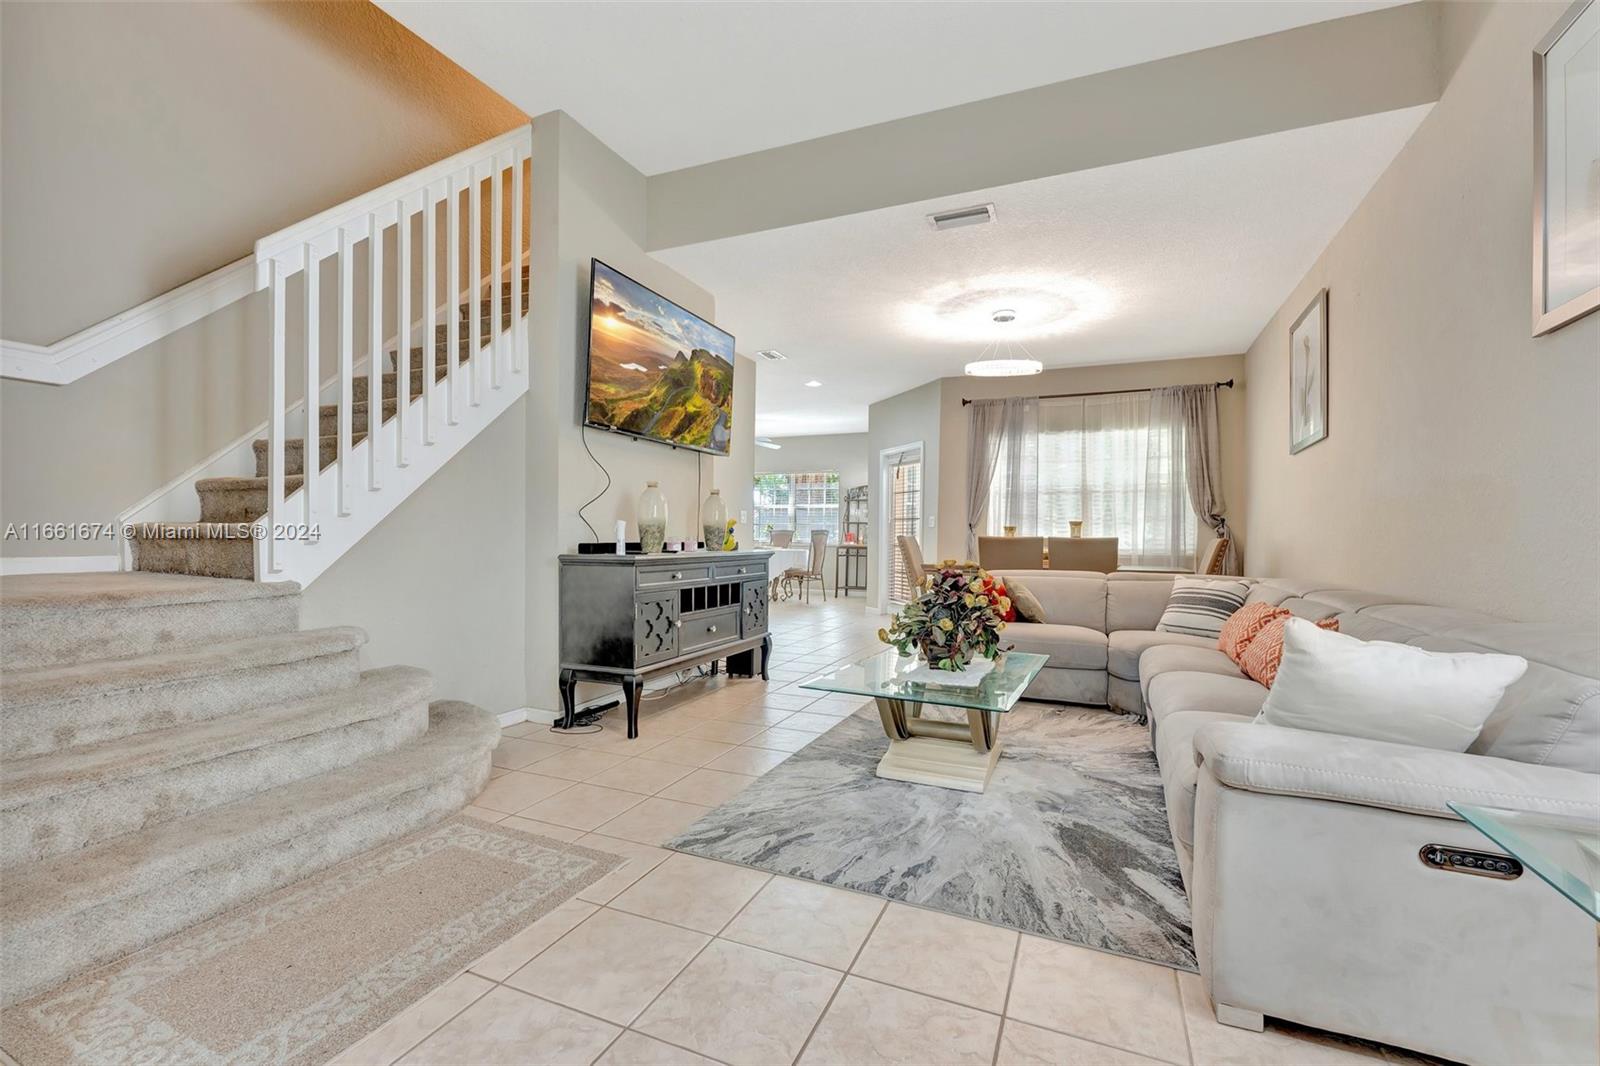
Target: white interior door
point(902, 516)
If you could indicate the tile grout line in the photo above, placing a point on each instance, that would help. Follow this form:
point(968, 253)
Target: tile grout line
point(848, 972)
point(1005, 1004)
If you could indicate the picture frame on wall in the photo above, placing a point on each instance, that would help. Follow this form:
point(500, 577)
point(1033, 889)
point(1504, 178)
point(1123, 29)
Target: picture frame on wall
point(1308, 375)
point(1566, 170)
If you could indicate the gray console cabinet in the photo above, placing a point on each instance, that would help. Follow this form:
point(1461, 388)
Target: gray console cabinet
point(626, 617)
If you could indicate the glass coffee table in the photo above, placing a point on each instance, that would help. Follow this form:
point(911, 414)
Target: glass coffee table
point(1564, 851)
point(925, 751)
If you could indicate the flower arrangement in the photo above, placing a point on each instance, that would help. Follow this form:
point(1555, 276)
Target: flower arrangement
point(959, 613)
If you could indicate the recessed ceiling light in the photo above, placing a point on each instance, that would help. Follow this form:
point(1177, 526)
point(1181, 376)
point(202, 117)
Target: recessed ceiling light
point(772, 355)
point(813, 384)
point(1042, 305)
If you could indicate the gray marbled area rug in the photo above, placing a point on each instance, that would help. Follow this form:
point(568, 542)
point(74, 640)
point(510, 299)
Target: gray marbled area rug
point(1070, 840)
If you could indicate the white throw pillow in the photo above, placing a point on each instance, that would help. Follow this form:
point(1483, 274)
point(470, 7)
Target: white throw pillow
point(1334, 683)
point(1199, 606)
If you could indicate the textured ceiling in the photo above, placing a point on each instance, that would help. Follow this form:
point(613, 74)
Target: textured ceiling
point(670, 85)
point(1181, 255)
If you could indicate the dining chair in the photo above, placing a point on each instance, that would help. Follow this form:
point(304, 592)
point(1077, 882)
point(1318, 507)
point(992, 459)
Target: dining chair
point(782, 538)
point(1094, 554)
point(813, 569)
point(1211, 560)
point(1011, 553)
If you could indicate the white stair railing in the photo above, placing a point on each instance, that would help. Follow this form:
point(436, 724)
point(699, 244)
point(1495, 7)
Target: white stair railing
point(303, 532)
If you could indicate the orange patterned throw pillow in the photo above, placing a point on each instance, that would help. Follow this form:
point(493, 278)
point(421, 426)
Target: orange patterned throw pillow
point(1265, 651)
point(1242, 628)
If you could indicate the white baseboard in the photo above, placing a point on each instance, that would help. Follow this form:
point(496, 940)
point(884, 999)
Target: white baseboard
point(537, 715)
point(59, 564)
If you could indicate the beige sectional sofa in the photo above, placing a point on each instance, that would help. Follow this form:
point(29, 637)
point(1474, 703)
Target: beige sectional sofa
point(1300, 851)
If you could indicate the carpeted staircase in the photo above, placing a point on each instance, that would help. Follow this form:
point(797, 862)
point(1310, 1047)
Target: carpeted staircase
point(172, 746)
point(220, 544)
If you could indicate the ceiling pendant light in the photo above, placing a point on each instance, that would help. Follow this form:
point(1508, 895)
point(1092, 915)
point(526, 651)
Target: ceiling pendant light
point(1000, 359)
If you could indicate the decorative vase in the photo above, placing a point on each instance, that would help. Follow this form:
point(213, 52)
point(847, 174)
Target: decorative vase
point(714, 520)
point(1076, 528)
point(652, 518)
point(932, 652)
point(1011, 531)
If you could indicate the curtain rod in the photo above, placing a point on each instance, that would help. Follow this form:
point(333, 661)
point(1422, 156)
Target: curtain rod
point(1105, 392)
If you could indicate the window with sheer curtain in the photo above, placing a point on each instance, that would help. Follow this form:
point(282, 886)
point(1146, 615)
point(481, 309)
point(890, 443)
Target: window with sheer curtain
point(801, 502)
point(1101, 461)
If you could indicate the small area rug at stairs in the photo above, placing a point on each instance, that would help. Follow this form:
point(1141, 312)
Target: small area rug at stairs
point(299, 975)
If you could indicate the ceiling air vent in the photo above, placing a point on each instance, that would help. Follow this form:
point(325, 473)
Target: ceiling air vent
point(962, 216)
point(772, 355)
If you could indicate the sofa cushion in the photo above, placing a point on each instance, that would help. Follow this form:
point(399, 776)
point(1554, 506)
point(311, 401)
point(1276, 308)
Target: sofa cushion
point(1179, 691)
point(1165, 658)
point(1087, 687)
point(1068, 598)
point(1124, 647)
point(1070, 647)
point(1180, 770)
point(1265, 650)
point(1135, 600)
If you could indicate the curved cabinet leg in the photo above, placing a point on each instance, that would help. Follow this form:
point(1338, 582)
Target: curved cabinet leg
point(766, 654)
point(569, 698)
point(630, 690)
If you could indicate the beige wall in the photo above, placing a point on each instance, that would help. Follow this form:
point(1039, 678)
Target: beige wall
point(953, 459)
point(590, 203)
point(218, 123)
point(845, 453)
point(439, 583)
point(1460, 465)
point(145, 144)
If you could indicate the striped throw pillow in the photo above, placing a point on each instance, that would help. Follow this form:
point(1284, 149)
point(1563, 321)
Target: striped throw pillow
point(1199, 607)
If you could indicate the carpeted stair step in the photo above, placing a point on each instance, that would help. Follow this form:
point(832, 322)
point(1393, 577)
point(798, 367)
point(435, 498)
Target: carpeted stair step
point(50, 619)
point(203, 549)
point(60, 802)
point(390, 384)
point(294, 453)
point(238, 499)
point(328, 421)
point(50, 708)
point(67, 914)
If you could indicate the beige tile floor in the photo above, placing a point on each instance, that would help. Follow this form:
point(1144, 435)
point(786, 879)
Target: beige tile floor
point(677, 959)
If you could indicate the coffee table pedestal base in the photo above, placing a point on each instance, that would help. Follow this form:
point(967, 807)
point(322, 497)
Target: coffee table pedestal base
point(946, 754)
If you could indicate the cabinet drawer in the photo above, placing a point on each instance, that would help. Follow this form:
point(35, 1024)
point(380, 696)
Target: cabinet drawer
point(659, 576)
point(740, 569)
point(707, 628)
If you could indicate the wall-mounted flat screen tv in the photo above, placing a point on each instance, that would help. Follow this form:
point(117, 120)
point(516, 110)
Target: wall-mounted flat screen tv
point(656, 370)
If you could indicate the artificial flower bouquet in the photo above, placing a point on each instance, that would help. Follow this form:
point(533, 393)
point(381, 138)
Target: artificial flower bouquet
point(958, 614)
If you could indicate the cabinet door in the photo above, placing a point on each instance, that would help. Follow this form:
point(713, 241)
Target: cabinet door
point(655, 627)
point(755, 608)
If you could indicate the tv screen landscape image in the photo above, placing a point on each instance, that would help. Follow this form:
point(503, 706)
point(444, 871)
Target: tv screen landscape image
point(656, 370)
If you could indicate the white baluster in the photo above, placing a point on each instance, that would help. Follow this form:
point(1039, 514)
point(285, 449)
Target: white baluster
point(312, 459)
point(519, 332)
point(474, 298)
point(430, 312)
point(402, 352)
point(452, 281)
point(496, 332)
point(347, 369)
point(374, 346)
point(275, 427)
